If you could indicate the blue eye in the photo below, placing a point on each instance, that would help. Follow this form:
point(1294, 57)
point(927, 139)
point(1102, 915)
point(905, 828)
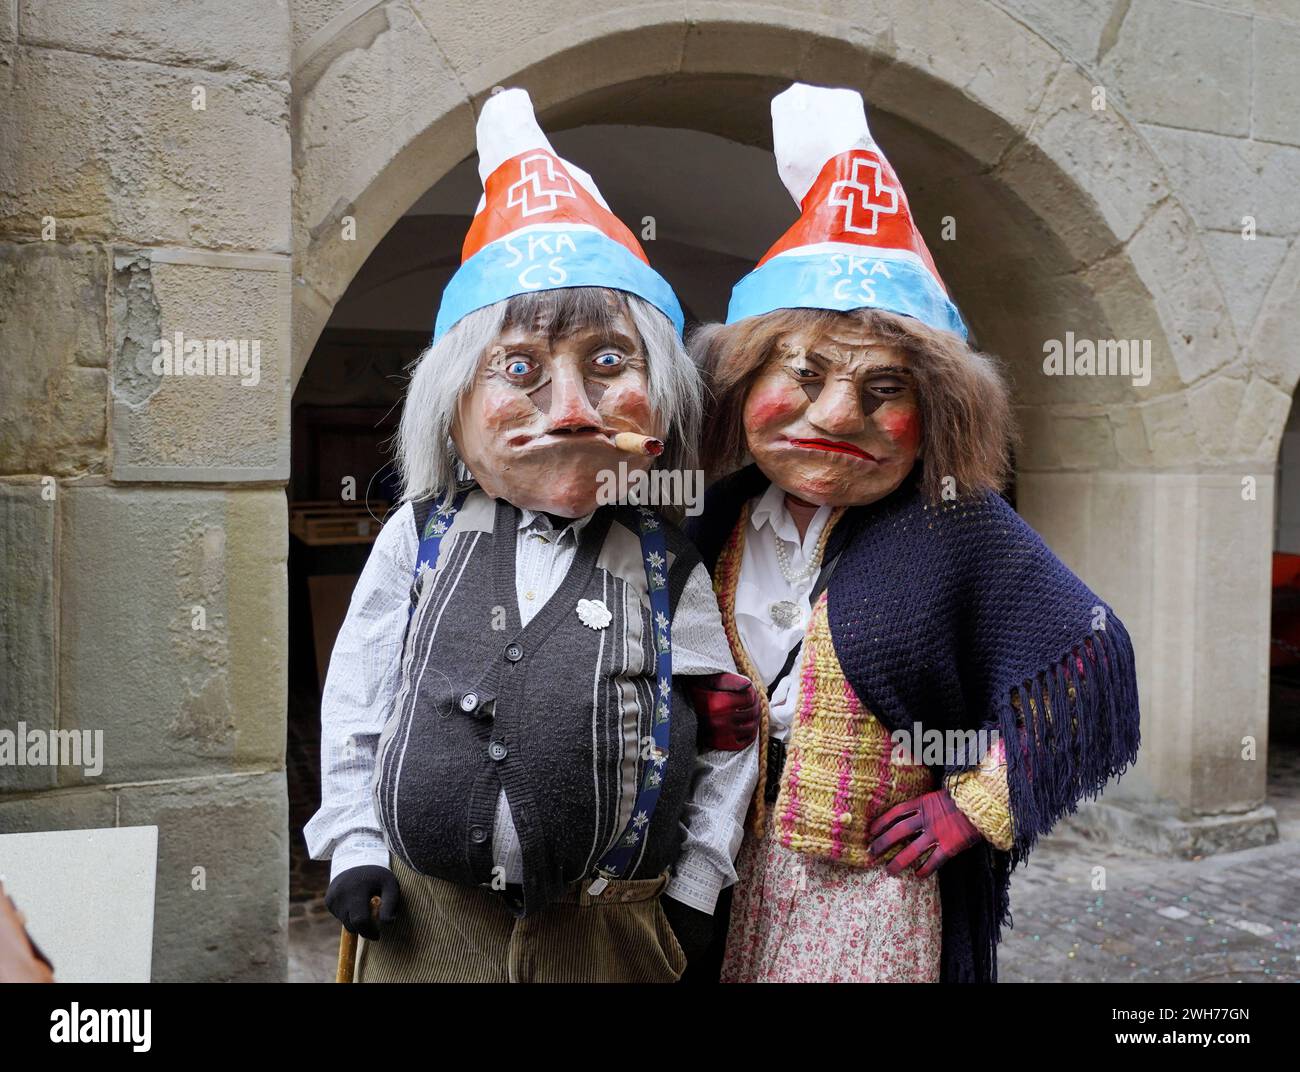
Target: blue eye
point(609, 360)
point(519, 368)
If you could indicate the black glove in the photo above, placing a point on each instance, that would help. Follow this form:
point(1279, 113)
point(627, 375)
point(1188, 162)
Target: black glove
point(348, 898)
point(692, 928)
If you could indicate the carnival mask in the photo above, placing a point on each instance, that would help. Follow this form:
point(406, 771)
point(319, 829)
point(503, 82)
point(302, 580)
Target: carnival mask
point(833, 416)
point(538, 425)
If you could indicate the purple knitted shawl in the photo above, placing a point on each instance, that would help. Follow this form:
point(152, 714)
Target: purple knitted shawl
point(939, 615)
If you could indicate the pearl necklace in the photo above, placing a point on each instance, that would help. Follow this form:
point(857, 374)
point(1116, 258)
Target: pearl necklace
point(783, 612)
point(797, 577)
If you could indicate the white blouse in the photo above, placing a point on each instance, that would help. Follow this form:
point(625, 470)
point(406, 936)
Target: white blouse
point(762, 583)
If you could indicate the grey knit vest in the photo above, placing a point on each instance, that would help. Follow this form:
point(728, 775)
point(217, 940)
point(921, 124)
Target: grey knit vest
point(555, 713)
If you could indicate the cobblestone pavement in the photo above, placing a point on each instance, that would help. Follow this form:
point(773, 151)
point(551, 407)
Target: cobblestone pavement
point(1226, 918)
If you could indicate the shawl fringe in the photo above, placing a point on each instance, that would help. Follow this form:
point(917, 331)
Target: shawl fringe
point(1070, 732)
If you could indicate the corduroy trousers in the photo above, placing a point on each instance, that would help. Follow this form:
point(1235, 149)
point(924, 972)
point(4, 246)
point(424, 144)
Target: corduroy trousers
point(449, 933)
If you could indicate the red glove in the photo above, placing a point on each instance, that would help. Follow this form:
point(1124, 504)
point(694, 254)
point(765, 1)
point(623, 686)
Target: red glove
point(727, 706)
point(938, 825)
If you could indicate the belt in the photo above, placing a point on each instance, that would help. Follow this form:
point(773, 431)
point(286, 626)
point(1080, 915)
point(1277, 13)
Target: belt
point(618, 891)
point(775, 765)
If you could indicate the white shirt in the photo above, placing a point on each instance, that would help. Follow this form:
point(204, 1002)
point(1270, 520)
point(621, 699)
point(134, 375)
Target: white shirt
point(762, 583)
point(365, 674)
point(731, 782)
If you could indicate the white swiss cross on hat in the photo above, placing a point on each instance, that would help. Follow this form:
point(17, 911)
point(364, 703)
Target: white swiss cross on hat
point(876, 197)
point(539, 186)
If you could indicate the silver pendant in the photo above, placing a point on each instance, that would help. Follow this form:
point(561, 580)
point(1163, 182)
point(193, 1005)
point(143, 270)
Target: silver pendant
point(783, 613)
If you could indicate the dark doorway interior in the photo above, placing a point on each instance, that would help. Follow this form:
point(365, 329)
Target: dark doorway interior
point(1284, 696)
point(345, 412)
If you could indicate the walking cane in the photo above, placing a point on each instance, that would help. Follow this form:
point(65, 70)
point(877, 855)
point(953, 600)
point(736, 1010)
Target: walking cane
point(348, 946)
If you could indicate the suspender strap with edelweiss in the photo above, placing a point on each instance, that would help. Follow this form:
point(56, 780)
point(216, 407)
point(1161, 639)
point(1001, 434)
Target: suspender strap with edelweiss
point(618, 860)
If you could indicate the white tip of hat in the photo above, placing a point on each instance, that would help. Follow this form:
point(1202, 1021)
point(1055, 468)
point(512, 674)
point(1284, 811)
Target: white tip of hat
point(507, 127)
point(811, 124)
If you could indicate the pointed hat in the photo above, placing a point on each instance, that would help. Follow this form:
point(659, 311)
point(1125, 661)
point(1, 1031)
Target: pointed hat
point(855, 244)
point(541, 224)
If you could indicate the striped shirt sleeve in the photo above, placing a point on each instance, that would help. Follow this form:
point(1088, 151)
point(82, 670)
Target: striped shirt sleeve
point(360, 687)
point(714, 817)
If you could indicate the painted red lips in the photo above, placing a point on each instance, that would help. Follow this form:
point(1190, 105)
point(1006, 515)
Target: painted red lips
point(836, 446)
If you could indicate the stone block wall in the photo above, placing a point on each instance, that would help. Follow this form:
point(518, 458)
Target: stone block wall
point(146, 191)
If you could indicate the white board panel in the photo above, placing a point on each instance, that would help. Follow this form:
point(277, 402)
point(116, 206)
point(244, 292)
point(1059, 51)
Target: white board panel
point(89, 897)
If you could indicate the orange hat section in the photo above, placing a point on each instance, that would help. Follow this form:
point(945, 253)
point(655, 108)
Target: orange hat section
point(535, 187)
point(856, 199)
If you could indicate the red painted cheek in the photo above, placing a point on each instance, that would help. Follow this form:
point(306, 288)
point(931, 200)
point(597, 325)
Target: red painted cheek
point(902, 428)
point(770, 407)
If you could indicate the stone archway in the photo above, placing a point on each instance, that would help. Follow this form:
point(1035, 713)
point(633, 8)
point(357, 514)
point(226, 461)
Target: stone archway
point(1065, 223)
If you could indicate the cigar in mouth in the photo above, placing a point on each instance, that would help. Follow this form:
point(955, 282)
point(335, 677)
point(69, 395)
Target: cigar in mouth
point(633, 443)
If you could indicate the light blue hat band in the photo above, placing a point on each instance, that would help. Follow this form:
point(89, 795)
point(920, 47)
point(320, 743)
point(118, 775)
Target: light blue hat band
point(842, 282)
point(550, 259)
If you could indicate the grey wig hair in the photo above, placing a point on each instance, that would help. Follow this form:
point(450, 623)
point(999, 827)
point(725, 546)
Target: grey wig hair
point(427, 460)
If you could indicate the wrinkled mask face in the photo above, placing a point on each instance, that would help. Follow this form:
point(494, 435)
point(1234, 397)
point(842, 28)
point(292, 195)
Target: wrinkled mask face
point(833, 416)
point(535, 427)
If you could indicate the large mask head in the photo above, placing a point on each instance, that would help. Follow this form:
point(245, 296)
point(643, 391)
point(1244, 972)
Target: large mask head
point(553, 337)
point(528, 394)
point(832, 414)
point(843, 360)
point(565, 373)
point(838, 408)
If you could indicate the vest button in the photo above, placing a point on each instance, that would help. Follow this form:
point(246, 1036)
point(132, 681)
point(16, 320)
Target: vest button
point(469, 701)
point(498, 751)
point(477, 835)
point(514, 652)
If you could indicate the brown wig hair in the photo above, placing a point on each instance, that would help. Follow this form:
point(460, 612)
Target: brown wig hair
point(967, 430)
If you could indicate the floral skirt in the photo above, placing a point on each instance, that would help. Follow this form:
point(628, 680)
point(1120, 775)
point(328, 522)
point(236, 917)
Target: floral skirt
point(797, 918)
